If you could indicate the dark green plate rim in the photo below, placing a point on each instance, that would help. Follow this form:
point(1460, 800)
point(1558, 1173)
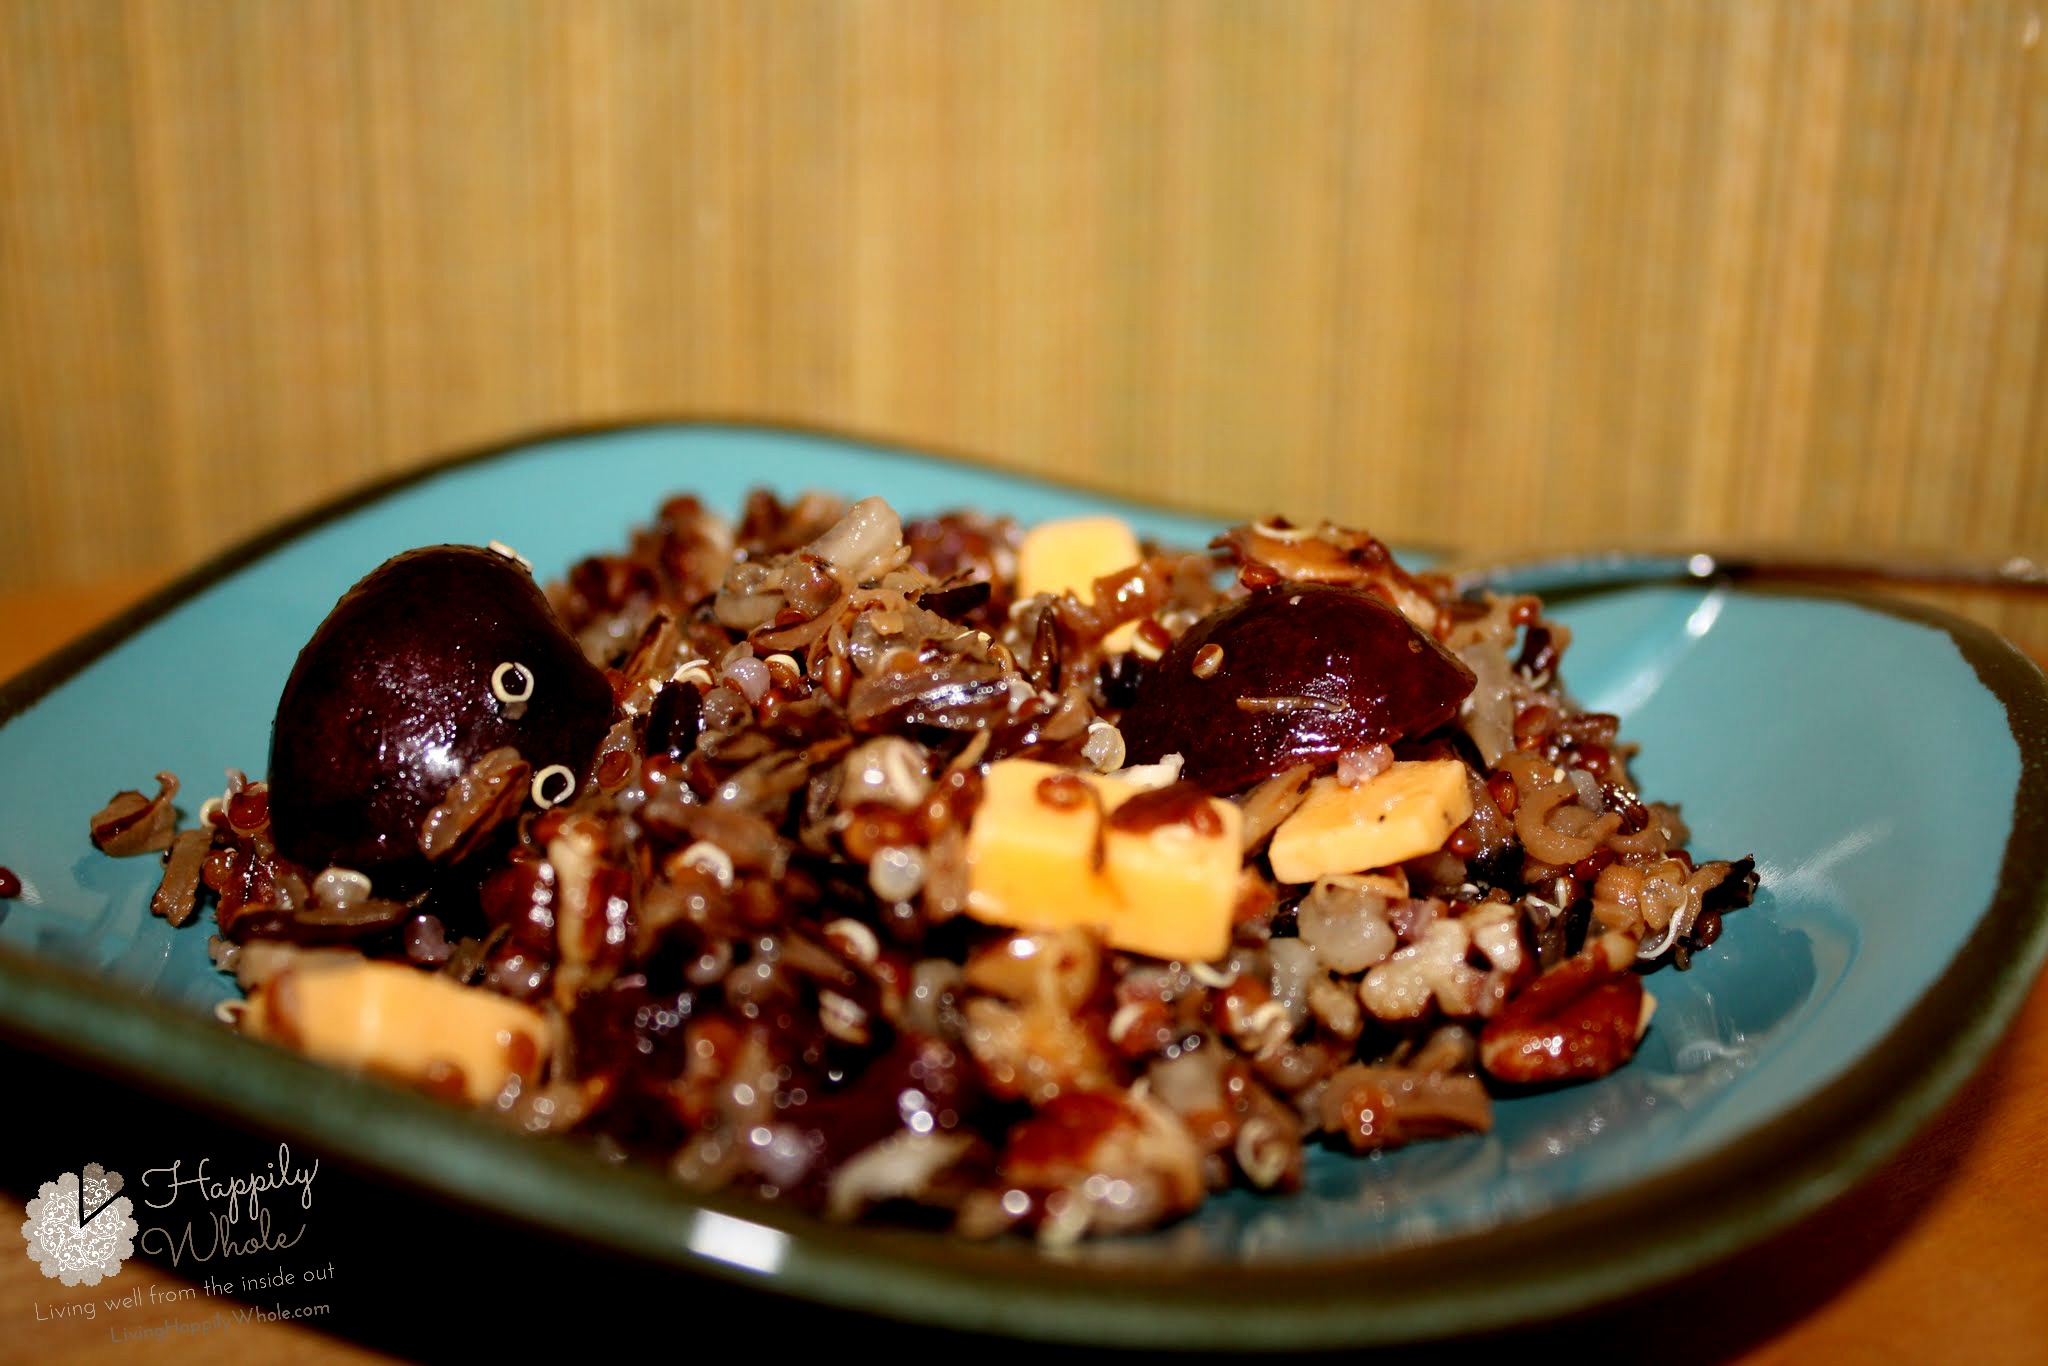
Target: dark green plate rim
point(1525, 1272)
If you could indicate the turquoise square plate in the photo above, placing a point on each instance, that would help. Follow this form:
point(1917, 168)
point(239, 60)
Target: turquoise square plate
point(1887, 766)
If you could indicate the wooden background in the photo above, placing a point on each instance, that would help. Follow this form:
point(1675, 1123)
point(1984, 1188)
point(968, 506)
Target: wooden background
point(1468, 271)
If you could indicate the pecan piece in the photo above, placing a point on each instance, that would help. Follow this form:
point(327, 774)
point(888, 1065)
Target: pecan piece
point(1582, 1019)
point(1385, 1107)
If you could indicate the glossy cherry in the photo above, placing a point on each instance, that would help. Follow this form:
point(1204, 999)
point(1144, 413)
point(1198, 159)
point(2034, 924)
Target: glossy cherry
point(1307, 672)
point(402, 687)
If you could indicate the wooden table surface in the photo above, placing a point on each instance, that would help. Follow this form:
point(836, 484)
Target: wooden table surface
point(1940, 1256)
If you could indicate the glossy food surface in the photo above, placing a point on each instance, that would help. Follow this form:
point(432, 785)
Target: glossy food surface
point(1900, 830)
point(1291, 674)
point(437, 657)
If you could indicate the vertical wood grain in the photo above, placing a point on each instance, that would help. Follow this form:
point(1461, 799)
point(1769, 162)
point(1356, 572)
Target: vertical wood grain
point(1557, 272)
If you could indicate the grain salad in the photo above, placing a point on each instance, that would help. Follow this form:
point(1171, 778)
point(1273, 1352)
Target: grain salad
point(1002, 879)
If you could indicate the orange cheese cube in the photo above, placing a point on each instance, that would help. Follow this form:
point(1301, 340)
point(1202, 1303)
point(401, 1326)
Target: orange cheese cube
point(1041, 857)
point(1403, 813)
point(1068, 556)
point(416, 1026)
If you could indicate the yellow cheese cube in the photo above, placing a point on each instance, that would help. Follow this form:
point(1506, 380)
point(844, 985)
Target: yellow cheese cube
point(1405, 812)
point(1177, 889)
point(1039, 860)
point(1031, 863)
point(1068, 556)
point(389, 1018)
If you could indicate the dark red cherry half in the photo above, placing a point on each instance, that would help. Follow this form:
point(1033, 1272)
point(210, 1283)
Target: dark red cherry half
point(399, 690)
point(1307, 672)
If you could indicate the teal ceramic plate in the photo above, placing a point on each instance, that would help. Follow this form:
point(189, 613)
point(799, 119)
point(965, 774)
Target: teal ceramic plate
point(1885, 765)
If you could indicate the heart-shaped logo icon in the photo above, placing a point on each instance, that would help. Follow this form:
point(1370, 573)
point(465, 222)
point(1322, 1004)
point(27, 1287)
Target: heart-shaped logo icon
point(97, 1188)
